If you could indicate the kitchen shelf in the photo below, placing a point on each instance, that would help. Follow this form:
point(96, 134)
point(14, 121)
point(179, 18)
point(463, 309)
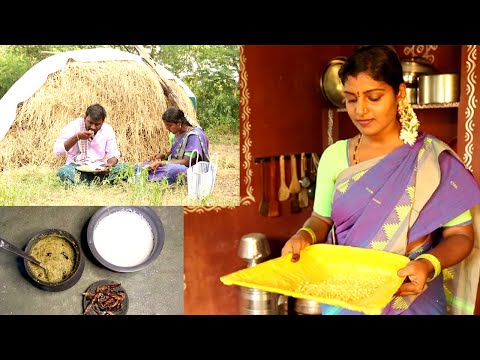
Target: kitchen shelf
point(436, 106)
point(425, 106)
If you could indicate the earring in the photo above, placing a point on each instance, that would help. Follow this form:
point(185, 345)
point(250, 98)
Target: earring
point(408, 120)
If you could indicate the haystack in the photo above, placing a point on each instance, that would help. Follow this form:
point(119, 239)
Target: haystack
point(130, 92)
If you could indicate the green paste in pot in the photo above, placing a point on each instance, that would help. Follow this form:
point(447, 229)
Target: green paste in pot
point(57, 255)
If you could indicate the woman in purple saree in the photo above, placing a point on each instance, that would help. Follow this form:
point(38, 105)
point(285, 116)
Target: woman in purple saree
point(185, 137)
point(403, 191)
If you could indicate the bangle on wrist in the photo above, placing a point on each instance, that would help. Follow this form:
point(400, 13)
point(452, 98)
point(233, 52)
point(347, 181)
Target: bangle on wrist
point(311, 233)
point(434, 261)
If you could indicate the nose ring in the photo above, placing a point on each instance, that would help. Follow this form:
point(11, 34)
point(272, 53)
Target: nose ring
point(365, 110)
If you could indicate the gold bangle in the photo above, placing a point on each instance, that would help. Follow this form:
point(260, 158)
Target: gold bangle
point(434, 261)
point(311, 232)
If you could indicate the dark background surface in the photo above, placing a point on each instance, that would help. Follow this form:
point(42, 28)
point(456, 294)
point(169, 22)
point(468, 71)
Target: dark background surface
point(154, 290)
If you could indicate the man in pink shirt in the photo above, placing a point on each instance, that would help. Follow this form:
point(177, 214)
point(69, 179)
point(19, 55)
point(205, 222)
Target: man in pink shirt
point(88, 141)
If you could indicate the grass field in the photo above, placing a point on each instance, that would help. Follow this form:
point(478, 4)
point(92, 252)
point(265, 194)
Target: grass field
point(39, 186)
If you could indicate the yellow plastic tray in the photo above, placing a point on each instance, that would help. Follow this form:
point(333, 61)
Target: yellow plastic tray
point(354, 278)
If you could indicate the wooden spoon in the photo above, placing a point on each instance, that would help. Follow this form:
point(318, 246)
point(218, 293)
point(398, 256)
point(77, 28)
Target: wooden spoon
point(283, 192)
point(294, 183)
point(263, 207)
point(273, 204)
point(294, 187)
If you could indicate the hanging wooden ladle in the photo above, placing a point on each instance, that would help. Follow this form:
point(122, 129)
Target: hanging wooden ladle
point(283, 192)
point(294, 186)
point(273, 204)
point(263, 207)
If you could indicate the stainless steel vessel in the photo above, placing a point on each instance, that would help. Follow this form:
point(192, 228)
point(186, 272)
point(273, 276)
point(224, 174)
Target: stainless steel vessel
point(254, 248)
point(438, 88)
point(258, 302)
point(307, 307)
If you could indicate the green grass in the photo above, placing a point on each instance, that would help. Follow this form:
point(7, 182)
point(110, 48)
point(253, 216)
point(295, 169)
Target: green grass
point(39, 185)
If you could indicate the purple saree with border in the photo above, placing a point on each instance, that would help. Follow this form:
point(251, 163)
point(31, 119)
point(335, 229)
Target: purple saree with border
point(389, 202)
point(172, 171)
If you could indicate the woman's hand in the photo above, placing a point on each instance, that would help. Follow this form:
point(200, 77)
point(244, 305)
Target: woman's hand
point(301, 239)
point(154, 165)
point(416, 273)
point(294, 245)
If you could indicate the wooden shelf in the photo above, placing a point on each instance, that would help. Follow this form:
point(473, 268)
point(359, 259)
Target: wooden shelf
point(426, 106)
point(436, 106)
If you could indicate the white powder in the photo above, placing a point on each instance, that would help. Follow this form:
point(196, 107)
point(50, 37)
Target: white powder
point(123, 238)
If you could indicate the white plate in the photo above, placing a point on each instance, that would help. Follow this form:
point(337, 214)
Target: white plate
point(91, 168)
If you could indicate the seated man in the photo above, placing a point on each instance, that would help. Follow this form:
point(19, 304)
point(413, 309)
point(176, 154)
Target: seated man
point(88, 141)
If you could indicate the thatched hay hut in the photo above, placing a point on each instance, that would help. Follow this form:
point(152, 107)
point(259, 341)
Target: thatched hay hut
point(129, 90)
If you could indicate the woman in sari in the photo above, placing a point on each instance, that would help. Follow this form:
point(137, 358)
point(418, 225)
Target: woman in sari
point(185, 136)
point(396, 189)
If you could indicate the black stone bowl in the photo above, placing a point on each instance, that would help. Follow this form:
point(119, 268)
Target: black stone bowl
point(148, 214)
point(78, 268)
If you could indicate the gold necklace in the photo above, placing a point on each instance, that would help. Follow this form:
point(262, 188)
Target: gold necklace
point(356, 160)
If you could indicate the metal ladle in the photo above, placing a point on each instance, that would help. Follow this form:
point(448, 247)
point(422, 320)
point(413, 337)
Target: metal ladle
point(4, 244)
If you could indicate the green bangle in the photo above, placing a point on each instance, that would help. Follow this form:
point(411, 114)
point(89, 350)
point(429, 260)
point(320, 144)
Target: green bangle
point(434, 261)
point(311, 232)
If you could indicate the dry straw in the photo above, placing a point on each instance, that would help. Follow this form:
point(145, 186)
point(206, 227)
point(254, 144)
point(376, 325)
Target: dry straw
point(130, 92)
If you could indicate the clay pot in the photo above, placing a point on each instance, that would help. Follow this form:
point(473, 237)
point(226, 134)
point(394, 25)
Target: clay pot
point(72, 277)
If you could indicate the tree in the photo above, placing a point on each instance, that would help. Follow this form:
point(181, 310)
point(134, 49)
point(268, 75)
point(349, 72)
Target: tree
point(15, 60)
point(210, 71)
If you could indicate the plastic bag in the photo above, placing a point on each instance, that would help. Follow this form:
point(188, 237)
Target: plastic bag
point(201, 176)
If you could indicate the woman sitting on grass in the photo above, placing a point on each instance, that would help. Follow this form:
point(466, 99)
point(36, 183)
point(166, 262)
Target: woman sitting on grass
point(185, 136)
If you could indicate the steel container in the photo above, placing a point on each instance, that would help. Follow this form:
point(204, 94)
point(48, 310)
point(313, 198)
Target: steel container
point(438, 88)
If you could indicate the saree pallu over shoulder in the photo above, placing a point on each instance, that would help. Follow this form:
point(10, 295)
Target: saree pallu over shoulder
point(188, 141)
point(388, 202)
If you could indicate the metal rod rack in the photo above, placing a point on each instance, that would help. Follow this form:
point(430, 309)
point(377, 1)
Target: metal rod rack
point(276, 157)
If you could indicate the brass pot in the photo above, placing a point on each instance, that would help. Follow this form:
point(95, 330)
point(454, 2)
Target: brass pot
point(330, 83)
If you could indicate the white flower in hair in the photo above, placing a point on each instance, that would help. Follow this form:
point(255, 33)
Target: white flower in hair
point(408, 137)
point(409, 122)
